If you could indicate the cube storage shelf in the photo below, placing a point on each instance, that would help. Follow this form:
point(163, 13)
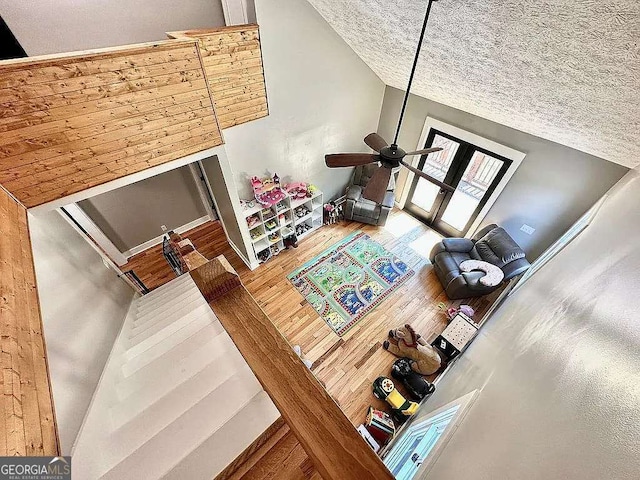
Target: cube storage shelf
point(269, 226)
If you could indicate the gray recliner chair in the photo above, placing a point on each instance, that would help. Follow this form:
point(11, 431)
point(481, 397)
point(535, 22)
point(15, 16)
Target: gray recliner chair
point(491, 244)
point(359, 208)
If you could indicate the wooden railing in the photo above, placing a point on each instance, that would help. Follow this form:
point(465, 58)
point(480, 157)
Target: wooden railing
point(75, 121)
point(232, 60)
point(29, 426)
point(328, 437)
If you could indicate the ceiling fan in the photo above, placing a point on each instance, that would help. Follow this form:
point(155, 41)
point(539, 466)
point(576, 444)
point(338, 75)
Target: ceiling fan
point(389, 156)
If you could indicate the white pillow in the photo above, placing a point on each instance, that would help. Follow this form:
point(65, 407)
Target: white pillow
point(493, 275)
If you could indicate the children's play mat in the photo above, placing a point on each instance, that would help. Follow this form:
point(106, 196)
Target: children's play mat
point(348, 280)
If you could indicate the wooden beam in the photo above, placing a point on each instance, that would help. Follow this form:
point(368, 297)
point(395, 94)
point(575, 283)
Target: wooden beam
point(28, 418)
point(326, 434)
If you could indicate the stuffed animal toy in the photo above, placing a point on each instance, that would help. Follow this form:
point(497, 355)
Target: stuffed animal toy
point(406, 343)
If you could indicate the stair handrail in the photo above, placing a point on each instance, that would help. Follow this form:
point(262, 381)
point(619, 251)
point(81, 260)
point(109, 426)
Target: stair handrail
point(336, 449)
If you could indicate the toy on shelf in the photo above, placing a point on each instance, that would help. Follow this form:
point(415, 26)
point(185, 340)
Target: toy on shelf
point(312, 190)
point(271, 224)
point(247, 204)
point(267, 190)
point(301, 211)
point(253, 220)
point(274, 237)
point(303, 228)
point(415, 384)
point(281, 207)
point(282, 219)
point(274, 249)
point(267, 213)
point(264, 255)
point(452, 311)
point(296, 190)
point(255, 234)
point(406, 343)
point(286, 232)
point(366, 435)
point(401, 408)
point(380, 425)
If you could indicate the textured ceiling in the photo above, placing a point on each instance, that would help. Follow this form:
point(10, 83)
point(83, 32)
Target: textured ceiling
point(564, 70)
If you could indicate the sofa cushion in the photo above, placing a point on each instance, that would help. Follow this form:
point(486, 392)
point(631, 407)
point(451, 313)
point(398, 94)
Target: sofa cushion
point(497, 247)
point(354, 192)
point(449, 263)
point(457, 244)
point(472, 280)
point(366, 208)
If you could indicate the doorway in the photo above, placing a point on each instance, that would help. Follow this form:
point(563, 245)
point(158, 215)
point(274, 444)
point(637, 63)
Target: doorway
point(473, 171)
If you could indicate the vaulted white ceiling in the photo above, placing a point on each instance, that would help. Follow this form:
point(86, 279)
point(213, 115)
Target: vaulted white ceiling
point(564, 70)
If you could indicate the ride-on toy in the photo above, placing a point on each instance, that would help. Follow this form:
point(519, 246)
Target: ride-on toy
point(417, 386)
point(401, 408)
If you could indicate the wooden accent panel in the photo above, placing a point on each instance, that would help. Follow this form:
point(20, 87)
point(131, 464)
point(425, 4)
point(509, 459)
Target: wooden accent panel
point(232, 59)
point(71, 122)
point(28, 419)
point(332, 443)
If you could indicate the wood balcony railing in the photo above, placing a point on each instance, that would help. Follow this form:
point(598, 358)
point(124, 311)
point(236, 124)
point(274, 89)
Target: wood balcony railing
point(29, 426)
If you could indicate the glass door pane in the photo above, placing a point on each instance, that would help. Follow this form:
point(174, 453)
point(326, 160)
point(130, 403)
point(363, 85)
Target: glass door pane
point(437, 165)
point(476, 181)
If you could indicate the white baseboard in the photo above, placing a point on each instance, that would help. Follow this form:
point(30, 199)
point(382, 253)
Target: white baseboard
point(158, 240)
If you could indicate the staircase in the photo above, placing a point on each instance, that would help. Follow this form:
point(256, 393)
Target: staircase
point(176, 399)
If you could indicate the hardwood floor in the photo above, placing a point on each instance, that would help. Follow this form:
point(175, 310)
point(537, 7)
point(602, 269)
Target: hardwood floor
point(346, 365)
point(209, 239)
point(276, 455)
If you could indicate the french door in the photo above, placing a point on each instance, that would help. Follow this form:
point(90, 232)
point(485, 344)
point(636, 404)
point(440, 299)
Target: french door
point(473, 171)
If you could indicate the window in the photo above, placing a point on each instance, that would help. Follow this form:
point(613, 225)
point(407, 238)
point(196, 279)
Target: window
point(417, 445)
point(476, 167)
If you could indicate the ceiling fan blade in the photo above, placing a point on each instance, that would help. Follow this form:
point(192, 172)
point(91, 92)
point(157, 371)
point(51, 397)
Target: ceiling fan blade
point(377, 186)
point(349, 159)
point(425, 151)
point(375, 142)
point(428, 177)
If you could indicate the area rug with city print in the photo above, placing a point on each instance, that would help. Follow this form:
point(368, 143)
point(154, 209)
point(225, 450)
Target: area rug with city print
point(349, 279)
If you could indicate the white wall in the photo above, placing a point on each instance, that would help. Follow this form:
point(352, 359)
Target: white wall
point(322, 99)
point(83, 306)
point(132, 215)
point(54, 26)
point(551, 189)
point(213, 169)
point(558, 365)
